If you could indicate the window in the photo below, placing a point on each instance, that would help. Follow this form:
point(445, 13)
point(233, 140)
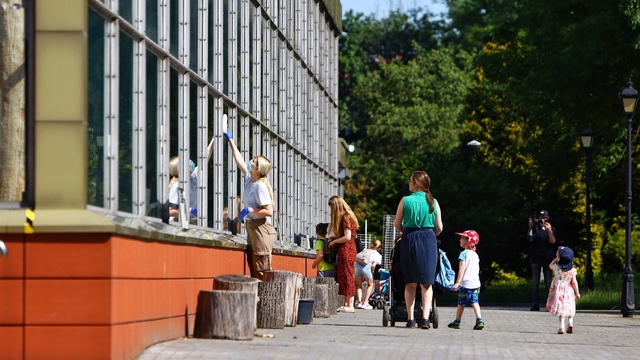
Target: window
point(163, 73)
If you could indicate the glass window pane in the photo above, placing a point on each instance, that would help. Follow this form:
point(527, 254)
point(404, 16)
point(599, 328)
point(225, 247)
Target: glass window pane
point(153, 150)
point(95, 189)
point(152, 20)
point(125, 133)
point(174, 21)
point(126, 10)
point(193, 36)
point(173, 116)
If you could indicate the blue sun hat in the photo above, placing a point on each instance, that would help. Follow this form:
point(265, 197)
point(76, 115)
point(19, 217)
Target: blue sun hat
point(565, 261)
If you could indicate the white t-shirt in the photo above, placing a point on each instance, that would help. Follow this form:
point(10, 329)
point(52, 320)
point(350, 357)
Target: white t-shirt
point(174, 197)
point(370, 256)
point(256, 195)
point(471, 276)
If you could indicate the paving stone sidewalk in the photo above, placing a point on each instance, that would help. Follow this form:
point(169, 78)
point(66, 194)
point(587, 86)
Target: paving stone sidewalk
point(510, 333)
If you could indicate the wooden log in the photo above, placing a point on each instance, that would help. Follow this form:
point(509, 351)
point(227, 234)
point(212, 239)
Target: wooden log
point(308, 287)
point(321, 301)
point(239, 283)
point(225, 314)
point(271, 308)
point(334, 300)
point(293, 287)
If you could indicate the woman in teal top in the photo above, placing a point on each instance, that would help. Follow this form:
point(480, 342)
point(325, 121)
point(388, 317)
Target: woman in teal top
point(419, 219)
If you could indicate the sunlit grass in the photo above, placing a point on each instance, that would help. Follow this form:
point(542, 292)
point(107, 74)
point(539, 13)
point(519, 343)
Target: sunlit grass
point(514, 290)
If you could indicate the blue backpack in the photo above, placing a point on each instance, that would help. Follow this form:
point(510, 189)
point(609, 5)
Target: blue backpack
point(445, 276)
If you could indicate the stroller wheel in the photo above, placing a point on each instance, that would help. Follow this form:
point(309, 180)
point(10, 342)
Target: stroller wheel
point(433, 317)
point(386, 316)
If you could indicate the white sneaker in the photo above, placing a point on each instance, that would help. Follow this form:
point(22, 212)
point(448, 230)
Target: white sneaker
point(366, 307)
point(358, 306)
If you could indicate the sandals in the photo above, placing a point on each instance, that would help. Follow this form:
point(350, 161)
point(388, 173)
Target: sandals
point(346, 310)
point(570, 329)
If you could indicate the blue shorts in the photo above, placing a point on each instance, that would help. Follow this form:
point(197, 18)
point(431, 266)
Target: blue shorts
point(363, 271)
point(327, 274)
point(468, 297)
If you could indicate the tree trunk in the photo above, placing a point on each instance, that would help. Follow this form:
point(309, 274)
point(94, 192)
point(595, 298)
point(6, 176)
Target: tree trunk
point(238, 282)
point(334, 299)
point(271, 305)
point(308, 287)
point(321, 301)
point(293, 287)
point(225, 314)
point(12, 89)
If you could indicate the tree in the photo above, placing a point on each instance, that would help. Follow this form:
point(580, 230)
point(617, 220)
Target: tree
point(411, 114)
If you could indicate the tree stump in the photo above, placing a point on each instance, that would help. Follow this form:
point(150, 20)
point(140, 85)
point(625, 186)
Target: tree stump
point(239, 283)
point(293, 287)
point(334, 298)
point(225, 314)
point(271, 305)
point(321, 301)
point(308, 288)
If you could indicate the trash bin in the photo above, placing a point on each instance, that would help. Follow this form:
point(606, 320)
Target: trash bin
point(305, 311)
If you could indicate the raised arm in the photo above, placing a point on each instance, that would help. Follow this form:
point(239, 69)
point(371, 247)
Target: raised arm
point(210, 149)
point(236, 153)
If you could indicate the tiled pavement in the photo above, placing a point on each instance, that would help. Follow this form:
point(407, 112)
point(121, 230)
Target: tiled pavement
point(510, 333)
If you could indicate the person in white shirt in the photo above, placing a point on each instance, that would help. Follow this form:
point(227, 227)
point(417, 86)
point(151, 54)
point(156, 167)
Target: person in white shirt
point(468, 281)
point(174, 199)
point(366, 262)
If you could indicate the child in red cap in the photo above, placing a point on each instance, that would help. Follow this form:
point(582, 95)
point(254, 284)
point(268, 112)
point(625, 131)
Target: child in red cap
point(468, 281)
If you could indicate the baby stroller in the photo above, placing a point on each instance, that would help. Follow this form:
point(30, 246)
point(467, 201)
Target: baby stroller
point(395, 310)
point(379, 298)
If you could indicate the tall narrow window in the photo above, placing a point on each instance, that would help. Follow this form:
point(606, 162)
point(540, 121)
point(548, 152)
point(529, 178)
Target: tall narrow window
point(95, 188)
point(125, 131)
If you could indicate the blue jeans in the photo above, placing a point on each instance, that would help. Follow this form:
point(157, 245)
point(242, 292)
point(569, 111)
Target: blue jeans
point(548, 276)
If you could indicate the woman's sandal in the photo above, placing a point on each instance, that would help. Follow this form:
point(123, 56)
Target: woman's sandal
point(346, 310)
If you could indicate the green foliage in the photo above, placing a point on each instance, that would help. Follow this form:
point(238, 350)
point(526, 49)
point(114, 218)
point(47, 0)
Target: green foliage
point(520, 77)
point(412, 116)
point(614, 251)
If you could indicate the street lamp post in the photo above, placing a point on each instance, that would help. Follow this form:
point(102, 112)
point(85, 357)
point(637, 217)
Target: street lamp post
point(629, 98)
point(586, 137)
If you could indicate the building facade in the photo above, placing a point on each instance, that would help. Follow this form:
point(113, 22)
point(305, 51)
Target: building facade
point(115, 90)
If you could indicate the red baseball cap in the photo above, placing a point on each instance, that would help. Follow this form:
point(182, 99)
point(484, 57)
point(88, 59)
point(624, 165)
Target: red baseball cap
point(473, 237)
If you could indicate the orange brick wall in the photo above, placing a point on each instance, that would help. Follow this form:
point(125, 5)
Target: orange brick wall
point(103, 296)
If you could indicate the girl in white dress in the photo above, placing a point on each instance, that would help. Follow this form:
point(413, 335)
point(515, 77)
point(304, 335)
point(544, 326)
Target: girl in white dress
point(564, 289)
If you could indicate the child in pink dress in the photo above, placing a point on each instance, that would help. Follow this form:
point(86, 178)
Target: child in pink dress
point(564, 289)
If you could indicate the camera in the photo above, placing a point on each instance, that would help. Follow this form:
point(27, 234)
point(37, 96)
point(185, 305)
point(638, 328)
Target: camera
point(536, 225)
